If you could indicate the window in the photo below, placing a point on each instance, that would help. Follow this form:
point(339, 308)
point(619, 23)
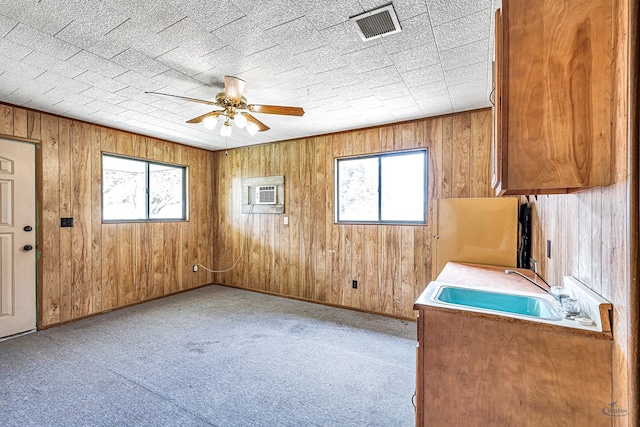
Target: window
point(383, 188)
point(139, 190)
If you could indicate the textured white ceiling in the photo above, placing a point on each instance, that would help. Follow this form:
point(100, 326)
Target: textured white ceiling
point(94, 59)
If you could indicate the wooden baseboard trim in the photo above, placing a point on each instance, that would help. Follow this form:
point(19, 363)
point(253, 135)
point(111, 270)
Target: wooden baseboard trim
point(43, 327)
point(275, 294)
point(88, 316)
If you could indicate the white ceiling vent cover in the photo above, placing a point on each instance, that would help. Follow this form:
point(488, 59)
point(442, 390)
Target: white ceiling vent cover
point(376, 23)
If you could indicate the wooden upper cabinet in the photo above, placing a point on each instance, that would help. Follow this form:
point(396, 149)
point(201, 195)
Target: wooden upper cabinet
point(553, 96)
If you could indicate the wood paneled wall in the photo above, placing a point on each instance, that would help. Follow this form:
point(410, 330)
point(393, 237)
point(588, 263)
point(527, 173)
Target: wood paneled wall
point(314, 258)
point(94, 267)
point(590, 241)
point(594, 234)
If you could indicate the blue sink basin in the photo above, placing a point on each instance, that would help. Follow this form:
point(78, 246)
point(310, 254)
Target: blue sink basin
point(522, 305)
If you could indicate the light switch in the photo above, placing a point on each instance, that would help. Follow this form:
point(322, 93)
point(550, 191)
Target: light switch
point(286, 220)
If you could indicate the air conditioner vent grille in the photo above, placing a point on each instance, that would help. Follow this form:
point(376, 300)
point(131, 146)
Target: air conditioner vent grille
point(266, 195)
point(376, 23)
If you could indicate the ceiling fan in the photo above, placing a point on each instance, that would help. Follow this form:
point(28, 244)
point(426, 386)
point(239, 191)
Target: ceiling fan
point(234, 107)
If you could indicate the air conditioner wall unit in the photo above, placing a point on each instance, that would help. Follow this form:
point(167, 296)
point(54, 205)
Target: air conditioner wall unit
point(266, 195)
point(263, 195)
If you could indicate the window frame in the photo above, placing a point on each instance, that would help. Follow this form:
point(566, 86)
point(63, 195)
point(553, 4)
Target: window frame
point(147, 163)
point(379, 156)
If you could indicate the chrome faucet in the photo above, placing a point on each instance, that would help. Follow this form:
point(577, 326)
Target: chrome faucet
point(532, 281)
point(571, 307)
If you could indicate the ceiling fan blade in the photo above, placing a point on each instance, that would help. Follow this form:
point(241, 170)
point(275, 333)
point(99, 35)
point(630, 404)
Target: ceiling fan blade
point(261, 126)
point(233, 88)
point(184, 98)
point(275, 109)
point(199, 119)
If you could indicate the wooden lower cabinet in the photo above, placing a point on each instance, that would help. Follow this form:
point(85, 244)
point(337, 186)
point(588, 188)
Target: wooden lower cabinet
point(478, 371)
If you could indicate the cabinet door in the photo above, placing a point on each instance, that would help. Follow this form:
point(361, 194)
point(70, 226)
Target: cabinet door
point(420, 374)
point(477, 231)
point(556, 80)
point(496, 143)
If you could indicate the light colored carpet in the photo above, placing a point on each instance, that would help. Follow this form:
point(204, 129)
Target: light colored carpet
point(215, 356)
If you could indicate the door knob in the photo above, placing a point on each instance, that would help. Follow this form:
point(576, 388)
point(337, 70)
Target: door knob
point(27, 247)
point(27, 228)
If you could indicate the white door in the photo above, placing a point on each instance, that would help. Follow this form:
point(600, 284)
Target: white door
point(17, 238)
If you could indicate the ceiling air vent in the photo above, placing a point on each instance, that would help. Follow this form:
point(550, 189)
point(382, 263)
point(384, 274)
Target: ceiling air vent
point(376, 23)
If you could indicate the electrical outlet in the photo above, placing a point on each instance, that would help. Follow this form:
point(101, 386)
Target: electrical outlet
point(534, 265)
point(354, 284)
point(195, 268)
point(548, 248)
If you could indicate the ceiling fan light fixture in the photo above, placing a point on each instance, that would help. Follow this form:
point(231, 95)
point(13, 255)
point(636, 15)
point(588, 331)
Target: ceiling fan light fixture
point(233, 107)
point(252, 128)
point(225, 130)
point(210, 122)
point(240, 120)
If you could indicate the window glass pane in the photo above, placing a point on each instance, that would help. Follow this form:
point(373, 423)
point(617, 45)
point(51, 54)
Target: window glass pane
point(358, 192)
point(123, 189)
point(139, 190)
point(402, 187)
point(165, 192)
